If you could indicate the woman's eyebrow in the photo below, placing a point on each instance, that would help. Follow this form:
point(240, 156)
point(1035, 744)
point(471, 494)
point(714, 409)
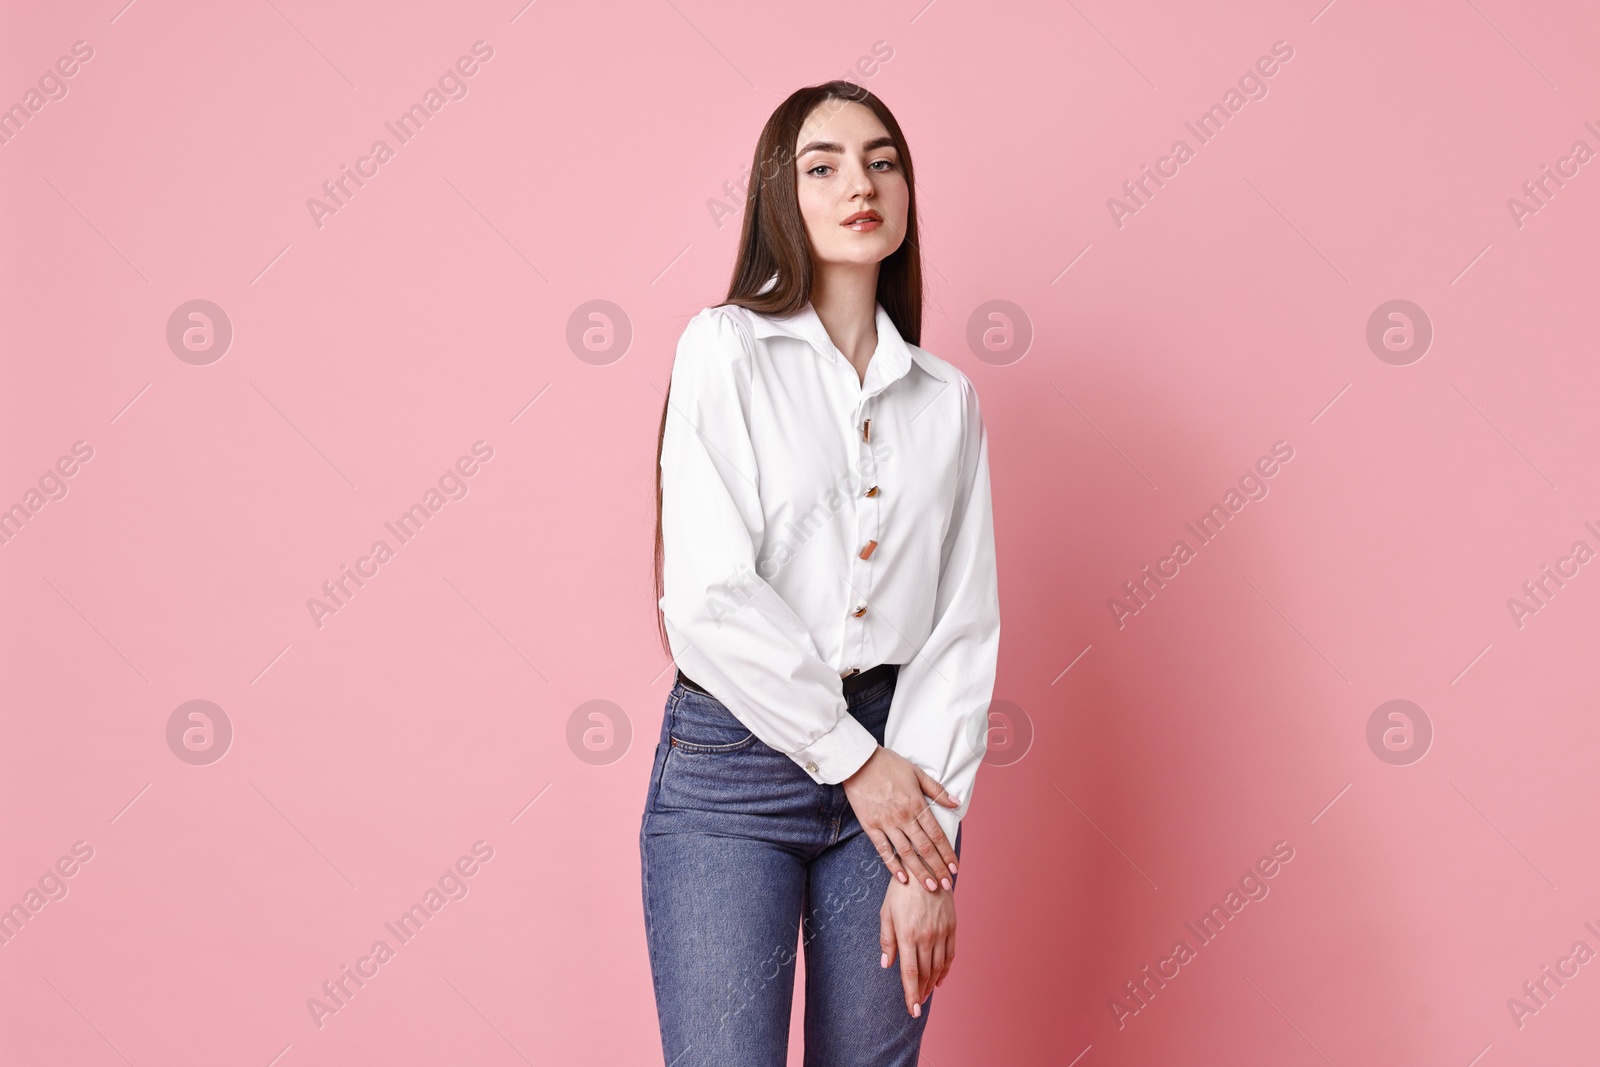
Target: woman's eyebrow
point(834, 146)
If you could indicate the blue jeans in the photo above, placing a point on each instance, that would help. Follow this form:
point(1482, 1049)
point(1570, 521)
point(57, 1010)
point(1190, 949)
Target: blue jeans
point(742, 855)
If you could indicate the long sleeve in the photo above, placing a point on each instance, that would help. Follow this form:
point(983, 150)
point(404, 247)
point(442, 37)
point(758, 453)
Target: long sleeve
point(939, 719)
point(729, 629)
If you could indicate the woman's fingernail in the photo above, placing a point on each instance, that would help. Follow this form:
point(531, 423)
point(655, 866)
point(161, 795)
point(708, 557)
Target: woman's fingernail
point(932, 888)
point(902, 876)
point(952, 868)
point(945, 882)
point(916, 1011)
point(884, 961)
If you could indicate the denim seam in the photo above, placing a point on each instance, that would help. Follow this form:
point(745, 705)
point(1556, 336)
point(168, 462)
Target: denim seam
point(692, 747)
point(655, 786)
point(644, 853)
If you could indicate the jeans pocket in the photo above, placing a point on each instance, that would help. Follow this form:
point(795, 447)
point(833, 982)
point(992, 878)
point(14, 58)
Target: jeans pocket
point(703, 724)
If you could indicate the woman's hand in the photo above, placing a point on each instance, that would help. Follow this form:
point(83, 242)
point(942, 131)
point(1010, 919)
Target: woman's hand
point(921, 929)
point(886, 794)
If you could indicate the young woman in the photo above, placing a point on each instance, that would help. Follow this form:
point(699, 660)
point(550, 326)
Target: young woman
point(826, 578)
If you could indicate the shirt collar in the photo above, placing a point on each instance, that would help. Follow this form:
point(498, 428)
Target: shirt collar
point(891, 360)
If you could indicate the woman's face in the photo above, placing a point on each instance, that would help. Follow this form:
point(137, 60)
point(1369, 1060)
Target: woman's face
point(846, 165)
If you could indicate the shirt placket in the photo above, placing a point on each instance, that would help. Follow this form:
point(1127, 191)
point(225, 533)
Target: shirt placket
point(868, 514)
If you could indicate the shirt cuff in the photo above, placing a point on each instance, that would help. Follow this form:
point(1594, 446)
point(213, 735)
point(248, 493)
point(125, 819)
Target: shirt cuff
point(839, 753)
point(949, 821)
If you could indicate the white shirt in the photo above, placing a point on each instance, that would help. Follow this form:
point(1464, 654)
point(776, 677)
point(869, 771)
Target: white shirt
point(774, 487)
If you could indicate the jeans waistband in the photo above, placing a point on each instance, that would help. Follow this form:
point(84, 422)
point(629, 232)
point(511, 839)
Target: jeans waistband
point(852, 684)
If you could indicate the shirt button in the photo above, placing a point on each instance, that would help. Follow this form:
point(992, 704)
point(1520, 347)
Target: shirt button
point(866, 430)
point(866, 552)
point(811, 766)
point(862, 610)
point(873, 491)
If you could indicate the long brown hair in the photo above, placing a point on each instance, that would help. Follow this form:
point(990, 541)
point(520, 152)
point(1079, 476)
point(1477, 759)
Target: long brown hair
point(773, 241)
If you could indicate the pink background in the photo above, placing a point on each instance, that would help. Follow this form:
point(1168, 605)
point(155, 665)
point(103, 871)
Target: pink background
point(435, 709)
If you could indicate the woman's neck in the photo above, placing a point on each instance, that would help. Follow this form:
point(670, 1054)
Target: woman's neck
point(846, 300)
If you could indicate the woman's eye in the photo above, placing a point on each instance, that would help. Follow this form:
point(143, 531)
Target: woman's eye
point(888, 165)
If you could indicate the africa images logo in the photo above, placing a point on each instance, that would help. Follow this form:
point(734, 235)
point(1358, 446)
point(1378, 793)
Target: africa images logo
point(452, 85)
